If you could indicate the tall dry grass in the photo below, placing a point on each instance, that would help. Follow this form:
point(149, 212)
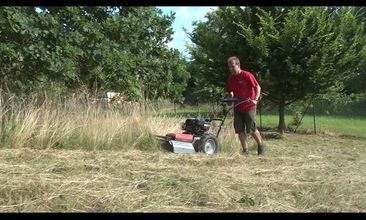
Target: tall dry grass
point(77, 156)
point(79, 125)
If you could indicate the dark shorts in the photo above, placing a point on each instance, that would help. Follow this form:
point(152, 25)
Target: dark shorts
point(245, 121)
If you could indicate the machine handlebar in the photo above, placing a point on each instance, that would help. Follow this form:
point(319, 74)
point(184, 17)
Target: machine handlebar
point(233, 100)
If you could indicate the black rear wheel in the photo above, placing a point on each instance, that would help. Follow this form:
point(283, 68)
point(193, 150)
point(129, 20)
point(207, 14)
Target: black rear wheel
point(208, 144)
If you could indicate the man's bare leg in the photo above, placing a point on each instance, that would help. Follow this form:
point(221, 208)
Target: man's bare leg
point(244, 142)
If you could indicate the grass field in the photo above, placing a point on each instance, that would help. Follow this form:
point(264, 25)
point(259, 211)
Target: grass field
point(93, 160)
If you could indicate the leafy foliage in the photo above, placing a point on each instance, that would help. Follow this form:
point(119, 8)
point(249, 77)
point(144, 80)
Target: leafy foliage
point(293, 51)
point(90, 48)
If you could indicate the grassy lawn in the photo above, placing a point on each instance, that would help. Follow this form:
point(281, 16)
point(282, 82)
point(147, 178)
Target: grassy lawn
point(86, 159)
point(350, 126)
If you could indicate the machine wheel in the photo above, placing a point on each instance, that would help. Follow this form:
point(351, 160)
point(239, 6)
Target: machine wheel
point(208, 144)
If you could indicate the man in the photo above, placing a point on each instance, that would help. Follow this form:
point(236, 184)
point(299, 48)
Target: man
point(242, 84)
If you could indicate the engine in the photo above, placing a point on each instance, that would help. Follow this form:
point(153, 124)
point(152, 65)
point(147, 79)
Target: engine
point(197, 126)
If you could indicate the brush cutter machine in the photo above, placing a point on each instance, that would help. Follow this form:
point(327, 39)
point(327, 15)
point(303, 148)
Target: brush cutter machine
point(195, 136)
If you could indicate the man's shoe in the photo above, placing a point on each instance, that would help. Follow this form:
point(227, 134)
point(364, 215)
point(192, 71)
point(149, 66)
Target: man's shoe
point(261, 149)
point(246, 151)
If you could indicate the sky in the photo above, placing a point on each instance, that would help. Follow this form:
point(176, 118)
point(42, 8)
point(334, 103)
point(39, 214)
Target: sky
point(184, 16)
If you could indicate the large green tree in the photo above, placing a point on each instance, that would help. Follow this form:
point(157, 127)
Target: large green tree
point(92, 48)
point(296, 53)
point(357, 82)
point(23, 53)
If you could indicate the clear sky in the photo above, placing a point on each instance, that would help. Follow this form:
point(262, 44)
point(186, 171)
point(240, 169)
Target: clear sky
point(184, 16)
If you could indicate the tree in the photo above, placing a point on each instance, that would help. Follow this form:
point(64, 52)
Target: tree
point(90, 48)
point(213, 42)
point(23, 55)
point(357, 82)
point(296, 53)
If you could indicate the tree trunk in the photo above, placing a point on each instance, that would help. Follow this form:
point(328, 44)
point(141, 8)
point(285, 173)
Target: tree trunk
point(281, 123)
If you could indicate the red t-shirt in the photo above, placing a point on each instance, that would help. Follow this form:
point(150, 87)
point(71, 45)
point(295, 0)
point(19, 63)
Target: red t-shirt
point(242, 86)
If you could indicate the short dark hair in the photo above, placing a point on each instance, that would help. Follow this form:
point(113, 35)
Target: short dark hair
point(236, 59)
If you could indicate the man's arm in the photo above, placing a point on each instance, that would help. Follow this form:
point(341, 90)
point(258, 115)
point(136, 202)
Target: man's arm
point(230, 95)
point(257, 90)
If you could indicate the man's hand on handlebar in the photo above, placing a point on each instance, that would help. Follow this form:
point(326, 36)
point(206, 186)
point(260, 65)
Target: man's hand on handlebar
point(253, 102)
point(231, 95)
